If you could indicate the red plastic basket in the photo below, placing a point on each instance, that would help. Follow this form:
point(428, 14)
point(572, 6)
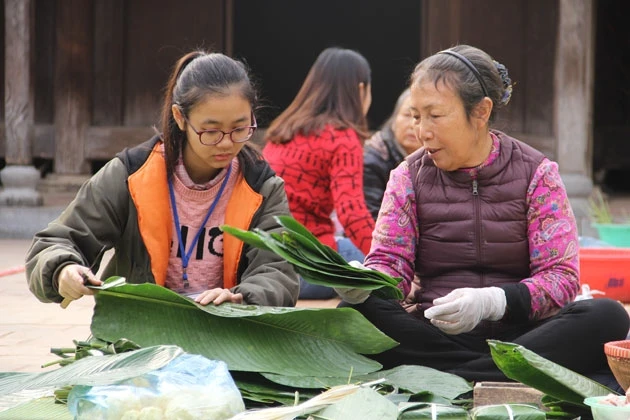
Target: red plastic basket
point(606, 270)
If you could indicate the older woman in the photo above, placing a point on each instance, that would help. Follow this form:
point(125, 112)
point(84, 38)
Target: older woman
point(484, 222)
point(386, 149)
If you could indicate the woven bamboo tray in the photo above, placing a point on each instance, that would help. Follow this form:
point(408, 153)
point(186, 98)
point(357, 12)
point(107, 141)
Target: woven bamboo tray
point(618, 355)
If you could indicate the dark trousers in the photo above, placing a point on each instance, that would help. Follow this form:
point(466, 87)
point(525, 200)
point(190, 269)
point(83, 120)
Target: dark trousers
point(573, 338)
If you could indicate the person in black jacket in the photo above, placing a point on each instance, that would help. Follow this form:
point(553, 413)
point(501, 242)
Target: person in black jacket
point(385, 150)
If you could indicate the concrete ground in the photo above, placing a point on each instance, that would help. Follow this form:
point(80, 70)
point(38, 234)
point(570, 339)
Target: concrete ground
point(28, 327)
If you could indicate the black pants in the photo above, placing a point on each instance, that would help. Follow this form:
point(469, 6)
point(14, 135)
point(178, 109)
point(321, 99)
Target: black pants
point(573, 338)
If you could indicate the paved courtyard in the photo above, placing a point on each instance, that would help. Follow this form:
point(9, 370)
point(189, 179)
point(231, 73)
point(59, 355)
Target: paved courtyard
point(28, 327)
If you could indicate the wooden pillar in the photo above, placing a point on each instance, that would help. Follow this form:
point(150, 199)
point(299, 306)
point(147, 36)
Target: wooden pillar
point(574, 103)
point(19, 178)
point(18, 86)
point(73, 81)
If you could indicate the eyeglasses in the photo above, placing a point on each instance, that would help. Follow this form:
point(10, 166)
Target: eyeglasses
point(214, 136)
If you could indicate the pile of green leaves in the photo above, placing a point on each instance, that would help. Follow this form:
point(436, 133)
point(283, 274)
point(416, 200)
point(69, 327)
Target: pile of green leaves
point(564, 389)
point(408, 389)
point(315, 262)
point(90, 347)
point(280, 356)
point(405, 392)
point(277, 356)
point(82, 349)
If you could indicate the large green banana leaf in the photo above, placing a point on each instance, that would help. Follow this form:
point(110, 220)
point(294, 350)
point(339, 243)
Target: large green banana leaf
point(291, 341)
point(525, 366)
point(412, 378)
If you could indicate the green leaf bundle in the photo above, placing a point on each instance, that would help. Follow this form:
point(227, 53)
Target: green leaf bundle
point(504, 411)
point(523, 365)
point(315, 262)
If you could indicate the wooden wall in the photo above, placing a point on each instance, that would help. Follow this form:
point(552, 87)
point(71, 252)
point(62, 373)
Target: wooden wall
point(100, 65)
point(521, 34)
point(611, 107)
point(99, 70)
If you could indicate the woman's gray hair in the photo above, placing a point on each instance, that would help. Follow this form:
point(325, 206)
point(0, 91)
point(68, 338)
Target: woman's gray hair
point(487, 77)
point(401, 98)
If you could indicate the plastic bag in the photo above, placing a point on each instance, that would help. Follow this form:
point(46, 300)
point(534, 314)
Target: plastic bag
point(189, 387)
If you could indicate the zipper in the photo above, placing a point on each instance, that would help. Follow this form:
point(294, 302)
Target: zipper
point(477, 214)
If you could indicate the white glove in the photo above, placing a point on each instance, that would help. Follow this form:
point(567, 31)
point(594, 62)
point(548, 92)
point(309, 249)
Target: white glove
point(357, 264)
point(350, 295)
point(461, 310)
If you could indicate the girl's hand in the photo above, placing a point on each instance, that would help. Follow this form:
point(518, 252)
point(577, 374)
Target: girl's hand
point(218, 296)
point(72, 281)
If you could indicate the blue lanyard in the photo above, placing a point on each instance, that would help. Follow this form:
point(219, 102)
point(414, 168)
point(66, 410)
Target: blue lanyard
point(182, 250)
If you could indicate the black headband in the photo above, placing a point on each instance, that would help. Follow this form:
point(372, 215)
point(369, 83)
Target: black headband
point(470, 66)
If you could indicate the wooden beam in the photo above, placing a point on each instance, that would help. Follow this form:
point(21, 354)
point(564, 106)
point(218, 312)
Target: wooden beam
point(102, 143)
point(73, 80)
point(43, 141)
point(18, 82)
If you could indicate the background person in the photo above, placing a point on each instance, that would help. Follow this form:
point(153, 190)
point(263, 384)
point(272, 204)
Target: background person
point(386, 149)
point(483, 220)
point(160, 204)
point(316, 146)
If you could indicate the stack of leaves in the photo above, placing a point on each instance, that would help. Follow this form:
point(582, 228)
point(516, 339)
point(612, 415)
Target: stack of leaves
point(405, 389)
point(82, 349)
point(564, 389)
point(91, 347)
point(315, 262)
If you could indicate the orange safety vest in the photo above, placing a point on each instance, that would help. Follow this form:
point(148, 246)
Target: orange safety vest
point(149, 192)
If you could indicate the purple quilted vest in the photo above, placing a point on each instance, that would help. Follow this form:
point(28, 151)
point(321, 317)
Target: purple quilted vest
point(473, 233)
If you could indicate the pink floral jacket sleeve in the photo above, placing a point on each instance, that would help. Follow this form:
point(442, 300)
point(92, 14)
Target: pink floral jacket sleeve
point(552, 232)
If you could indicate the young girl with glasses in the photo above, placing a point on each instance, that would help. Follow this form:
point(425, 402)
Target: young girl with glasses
point(160, 204)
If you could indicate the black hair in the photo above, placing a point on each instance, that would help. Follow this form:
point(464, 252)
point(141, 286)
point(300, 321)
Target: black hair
point(196, 76)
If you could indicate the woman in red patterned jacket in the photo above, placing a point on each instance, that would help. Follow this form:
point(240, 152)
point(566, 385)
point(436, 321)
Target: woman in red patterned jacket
point(316, 145)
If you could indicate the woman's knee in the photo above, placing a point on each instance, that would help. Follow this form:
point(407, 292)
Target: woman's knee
point(610, 312)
